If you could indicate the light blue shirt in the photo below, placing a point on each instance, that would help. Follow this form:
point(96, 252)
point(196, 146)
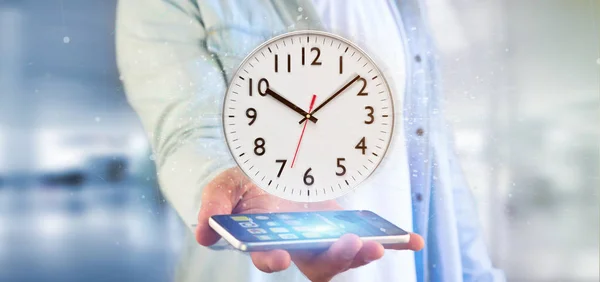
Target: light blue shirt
point(176, 58)
point(388, 192)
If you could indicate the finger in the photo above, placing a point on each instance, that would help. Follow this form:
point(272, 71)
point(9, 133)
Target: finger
point(369, 252)
point(271, 261)
point(305, 255)
point(205, 235)
point(415, 243)
point(342, 252)
point(218, 197)
point(336, 259)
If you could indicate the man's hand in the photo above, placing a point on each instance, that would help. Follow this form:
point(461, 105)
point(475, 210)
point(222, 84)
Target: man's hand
point(232, 193)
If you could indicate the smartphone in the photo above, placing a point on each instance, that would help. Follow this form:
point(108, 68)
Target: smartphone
point(303, 230)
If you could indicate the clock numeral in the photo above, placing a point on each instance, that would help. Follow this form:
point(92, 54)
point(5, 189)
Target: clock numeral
point(362, 90)
point(276, 63)
point(260, 86)
point(282, 166)
point(289, 63)
point(340, 165)
point(361, 145)
point(316, 62)
point(250, 87)
point(308, 179)
point(259, 146)
point(341, 64)
point(251, 114)
point(370, 115)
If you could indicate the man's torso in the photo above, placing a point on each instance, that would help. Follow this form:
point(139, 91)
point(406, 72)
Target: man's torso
point(376, 29)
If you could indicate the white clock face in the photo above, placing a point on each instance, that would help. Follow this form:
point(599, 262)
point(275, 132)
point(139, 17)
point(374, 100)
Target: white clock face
point(308, 74)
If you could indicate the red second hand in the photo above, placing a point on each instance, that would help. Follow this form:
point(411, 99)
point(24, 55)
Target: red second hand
point(312, 103)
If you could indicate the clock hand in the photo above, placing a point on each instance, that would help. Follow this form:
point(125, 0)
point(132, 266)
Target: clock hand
point(332, 96)
point(290, 105)
point(312, 103)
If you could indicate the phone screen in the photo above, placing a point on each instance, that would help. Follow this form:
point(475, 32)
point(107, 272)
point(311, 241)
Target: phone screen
point(306, 225)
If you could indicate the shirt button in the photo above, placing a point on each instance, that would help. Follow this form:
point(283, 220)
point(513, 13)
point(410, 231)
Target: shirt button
point(419, 197)
point(420, 131)
point(418, 58)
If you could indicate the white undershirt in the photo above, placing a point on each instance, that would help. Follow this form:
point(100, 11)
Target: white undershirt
point(374, 26)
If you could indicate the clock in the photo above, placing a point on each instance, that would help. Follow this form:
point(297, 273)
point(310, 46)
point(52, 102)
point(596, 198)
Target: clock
point(308, 116)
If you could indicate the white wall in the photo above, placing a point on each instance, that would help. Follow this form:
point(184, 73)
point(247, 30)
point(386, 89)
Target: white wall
point(522, 85)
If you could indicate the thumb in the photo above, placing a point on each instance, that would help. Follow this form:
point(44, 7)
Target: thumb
point(220, 196)
point(415, 243)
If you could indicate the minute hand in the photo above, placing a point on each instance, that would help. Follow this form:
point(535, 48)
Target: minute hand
point(332, 96)
point(290, 104)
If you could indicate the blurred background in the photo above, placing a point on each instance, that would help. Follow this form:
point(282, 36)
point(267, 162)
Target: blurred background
point(78, 193)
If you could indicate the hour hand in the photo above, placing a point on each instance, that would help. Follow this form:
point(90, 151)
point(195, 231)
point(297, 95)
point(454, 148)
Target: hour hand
point(290, 105)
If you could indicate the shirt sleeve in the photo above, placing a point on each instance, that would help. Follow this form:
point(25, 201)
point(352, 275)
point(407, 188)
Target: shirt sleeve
point(476, 262)
point(176, 87)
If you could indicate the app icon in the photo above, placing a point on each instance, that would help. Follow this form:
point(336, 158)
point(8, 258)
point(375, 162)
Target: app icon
point(240, 218)
point(311, 235)
point(293, 222)
point(279, 230)
point(303, 228)
point(261, 217)
point(263, 237)
point(285, 216)
point(272, 223)
point(321, 228)
point(257, 231)
point(288, 236)
point(248, 224)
